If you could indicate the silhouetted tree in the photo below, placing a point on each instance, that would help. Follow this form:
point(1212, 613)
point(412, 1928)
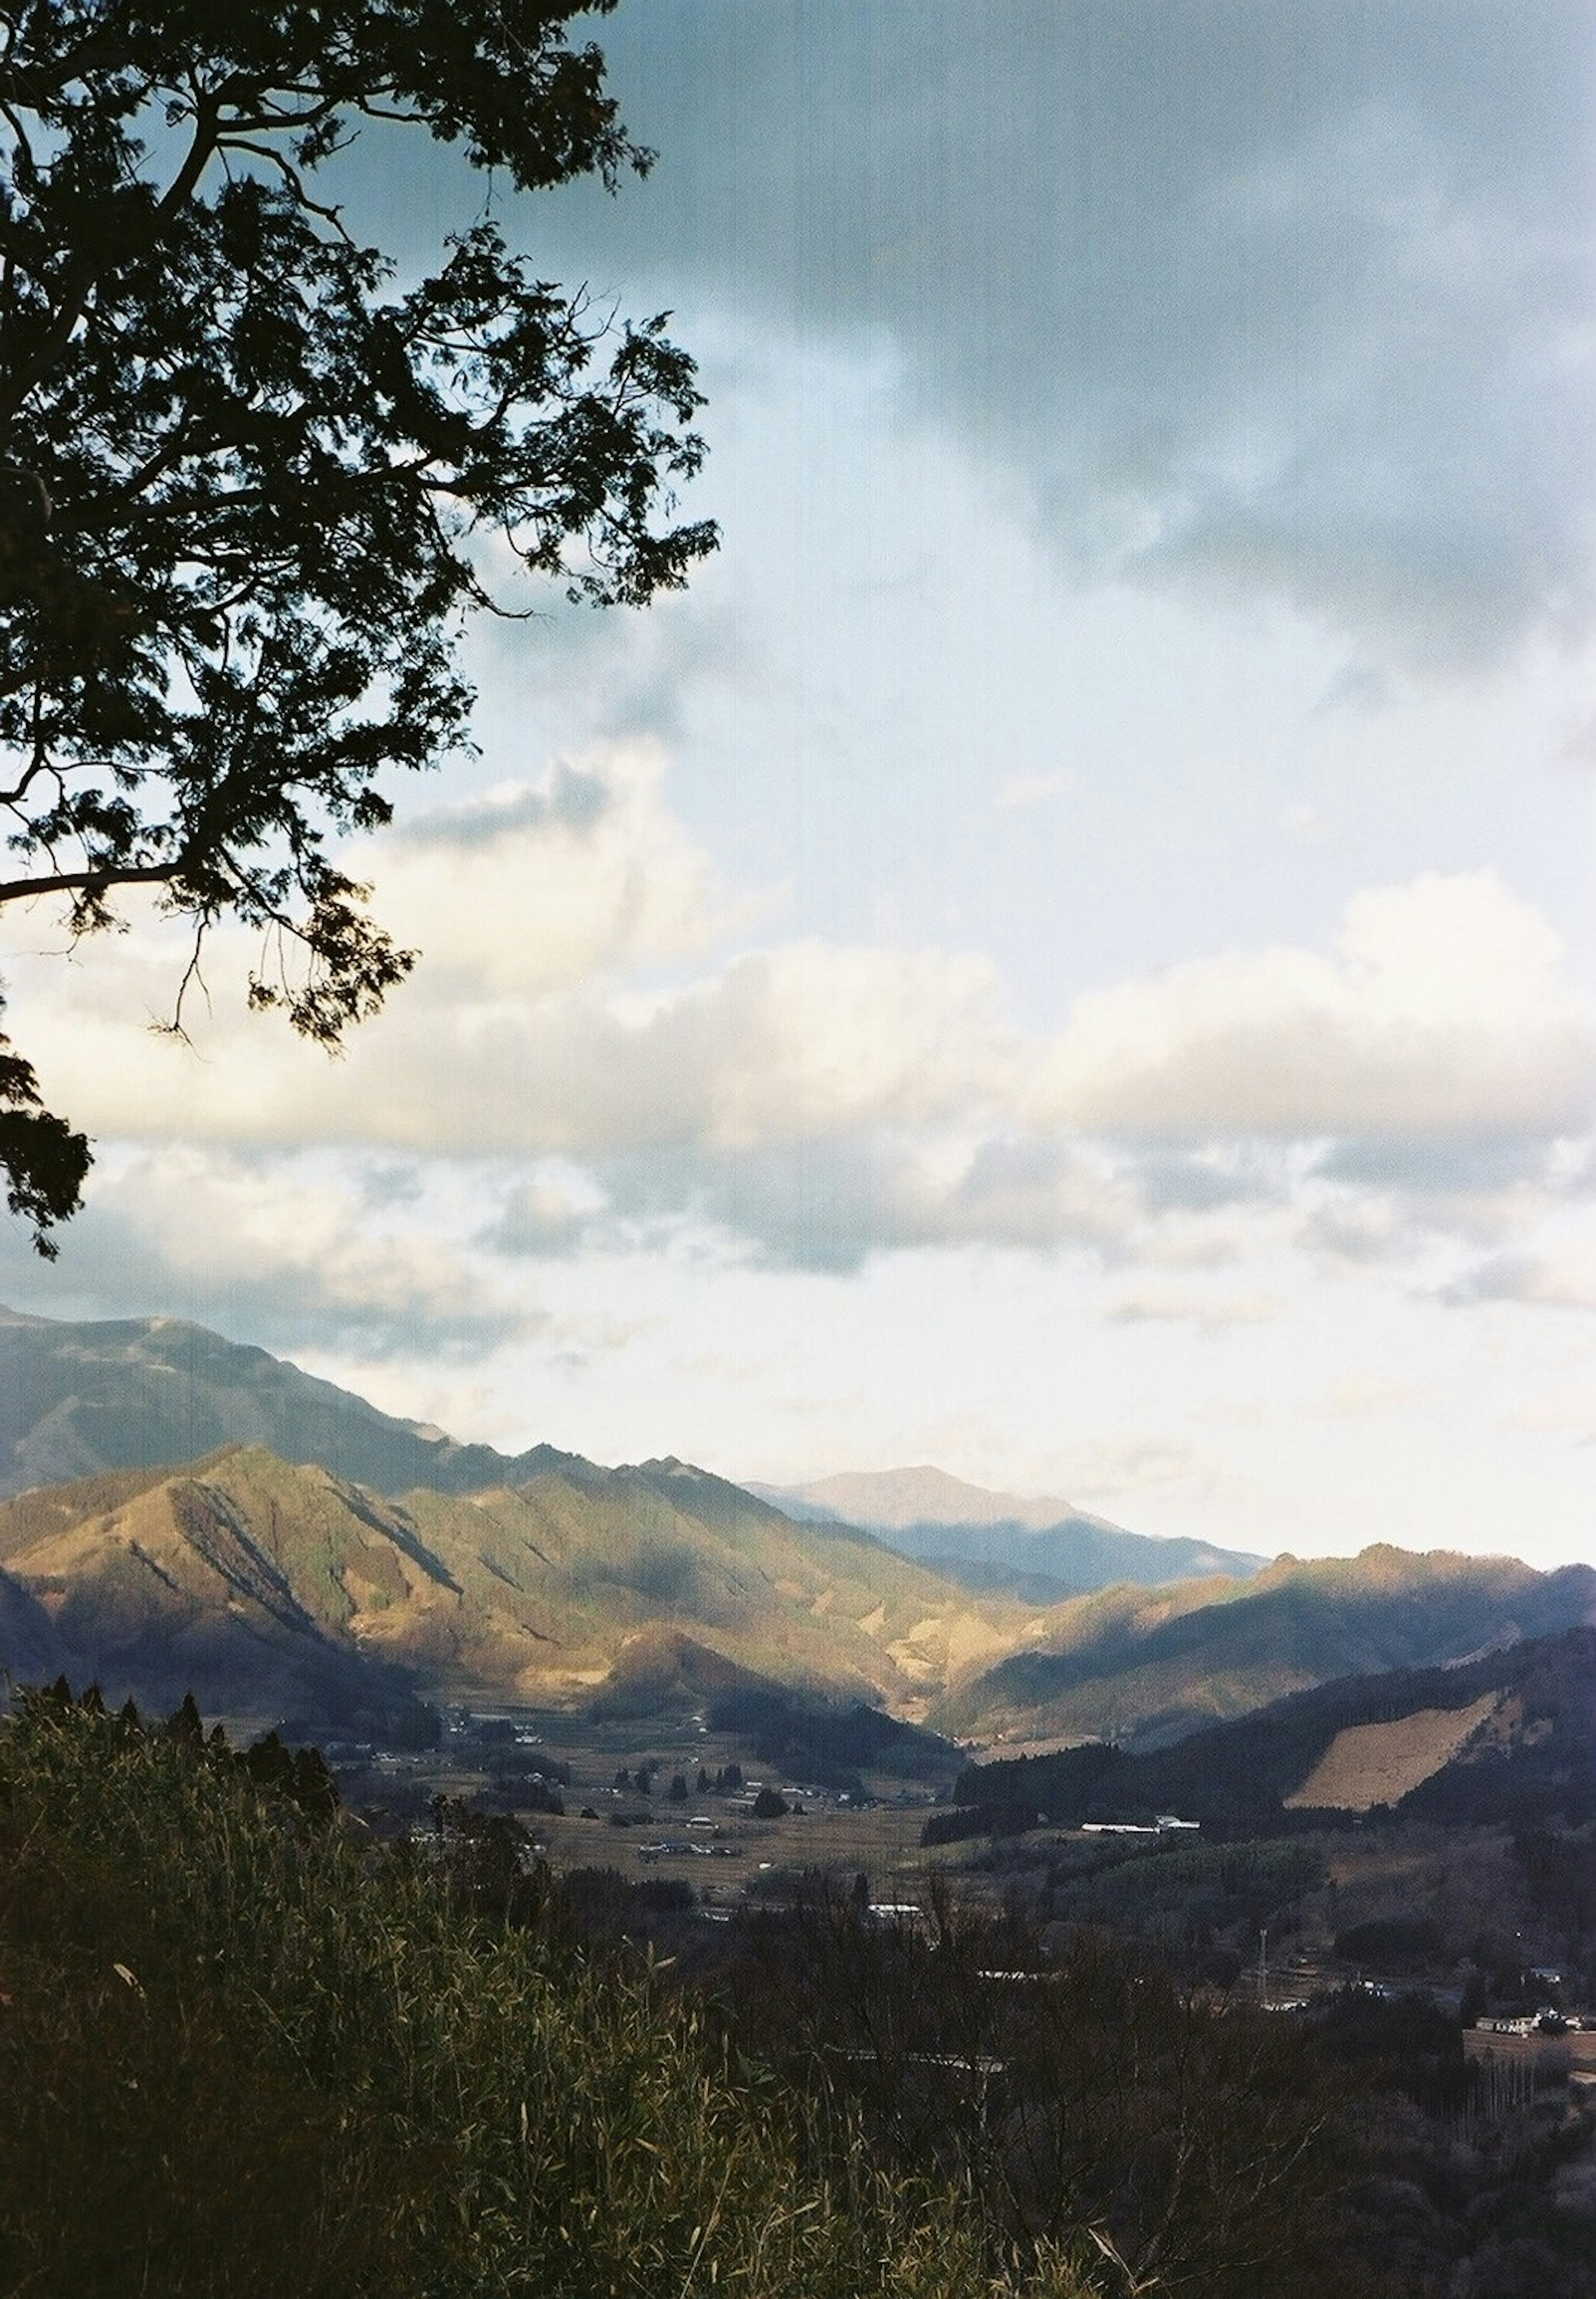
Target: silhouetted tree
point(242, 471)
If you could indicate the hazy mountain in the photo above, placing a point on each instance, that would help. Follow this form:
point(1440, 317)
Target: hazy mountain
point(154, 1391)
point(893, 1500)
point(263, 1584)
point(1507, 1738)
point(1142, 1668)
point(1038, 1548)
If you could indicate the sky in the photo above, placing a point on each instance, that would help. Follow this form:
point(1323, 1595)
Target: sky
point(1068, 953)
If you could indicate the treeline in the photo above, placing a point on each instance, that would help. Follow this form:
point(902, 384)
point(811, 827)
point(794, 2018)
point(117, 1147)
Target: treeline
point(249, 2050)
point(246, 2049)
point(830, 1747)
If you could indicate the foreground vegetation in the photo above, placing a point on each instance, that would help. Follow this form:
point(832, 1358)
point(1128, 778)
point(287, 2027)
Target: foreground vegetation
point(248, 2049)
point(243, 2054)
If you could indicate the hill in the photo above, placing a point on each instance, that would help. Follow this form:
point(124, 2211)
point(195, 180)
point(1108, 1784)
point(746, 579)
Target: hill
point(1509, 1737)
point(1144, 1667)
point(1041, 1550)
point(146, 1392)
point(265, 1585)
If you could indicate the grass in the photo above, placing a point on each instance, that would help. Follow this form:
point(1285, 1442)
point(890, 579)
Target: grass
point(244, 2052)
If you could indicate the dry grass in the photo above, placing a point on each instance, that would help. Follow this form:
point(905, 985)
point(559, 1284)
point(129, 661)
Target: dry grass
point(1366, 1764)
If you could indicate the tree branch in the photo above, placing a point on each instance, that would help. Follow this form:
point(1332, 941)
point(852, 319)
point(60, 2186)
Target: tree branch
point(91, 880)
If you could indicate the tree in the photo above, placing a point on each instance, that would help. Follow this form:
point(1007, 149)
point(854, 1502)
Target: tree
point(245, 477)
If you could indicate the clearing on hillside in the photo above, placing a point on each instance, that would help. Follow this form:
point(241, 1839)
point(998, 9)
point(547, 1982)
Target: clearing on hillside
point(1366, 1764)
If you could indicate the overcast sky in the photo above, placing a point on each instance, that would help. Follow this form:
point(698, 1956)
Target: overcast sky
point(1068, 954)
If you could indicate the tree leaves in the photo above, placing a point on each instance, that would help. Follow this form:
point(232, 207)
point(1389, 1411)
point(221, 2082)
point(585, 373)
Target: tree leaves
point(243, 477)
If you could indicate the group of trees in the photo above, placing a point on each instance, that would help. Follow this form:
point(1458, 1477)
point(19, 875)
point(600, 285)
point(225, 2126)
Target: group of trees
point(248, 2046)
point(247, 474)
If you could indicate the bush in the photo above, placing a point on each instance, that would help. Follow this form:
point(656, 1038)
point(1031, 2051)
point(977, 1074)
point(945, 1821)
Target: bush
point(246, 2053)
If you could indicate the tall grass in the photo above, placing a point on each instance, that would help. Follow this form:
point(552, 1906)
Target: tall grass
point(242, 2051)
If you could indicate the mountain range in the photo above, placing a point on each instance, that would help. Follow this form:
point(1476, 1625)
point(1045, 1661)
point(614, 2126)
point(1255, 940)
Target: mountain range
point(259, 1583)
point(140, 1393)
point(186, 1512)
point(1146, 1666)
point(151, 1392)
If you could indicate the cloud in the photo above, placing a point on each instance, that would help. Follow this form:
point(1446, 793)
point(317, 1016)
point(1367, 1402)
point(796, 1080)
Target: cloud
point(829, 1204)
point(1156, 1304)
point(1111, 1467)
point(1359, 1395)
point(1306, 825)
point(1446, 1014)
point(1276, 303)
point(1564, 1278)
point(580, 1019)
point(1035, 790)
point(274, 1248)
point(537, 885)
point(549, 1215)
point(1431, 1167)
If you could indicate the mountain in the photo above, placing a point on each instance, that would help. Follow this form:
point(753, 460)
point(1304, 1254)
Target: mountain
point(1041, 1550)
point(1144, 1666)
point(263, 1584)
point(1508, 1738)
point(323, 1557)
point(77, 1399)
point(895, 1500)
point(154, 1391)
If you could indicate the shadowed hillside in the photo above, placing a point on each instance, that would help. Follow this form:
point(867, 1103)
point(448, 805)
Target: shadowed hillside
point(149, 1392)
point(1130, 1667)
point(1521, 1748)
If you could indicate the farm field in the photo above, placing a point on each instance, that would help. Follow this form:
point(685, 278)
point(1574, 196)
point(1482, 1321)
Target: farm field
point(738, 1858)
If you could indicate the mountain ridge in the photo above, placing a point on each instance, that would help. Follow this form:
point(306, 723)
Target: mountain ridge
point(77, 1398)
point(1523, 1747)
point(1147, 1666)
point(241, 1571)
point(1035, 1546)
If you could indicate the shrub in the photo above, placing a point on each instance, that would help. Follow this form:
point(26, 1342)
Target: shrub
point(245, 2053)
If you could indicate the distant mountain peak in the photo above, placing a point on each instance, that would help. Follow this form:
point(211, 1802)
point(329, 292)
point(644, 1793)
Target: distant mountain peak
point(1041, 1546)
point(882, 1500)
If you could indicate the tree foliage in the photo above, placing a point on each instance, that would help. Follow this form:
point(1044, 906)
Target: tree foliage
point(247, 476)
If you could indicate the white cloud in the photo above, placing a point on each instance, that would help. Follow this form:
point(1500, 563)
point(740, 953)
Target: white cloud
point(1035, 789)
point(279, 1249)
point(814, 1101)
point(535, 887)
point(1305, 825)
point(1562, 1277)
point(1151, 1303)
point(1446, 1013)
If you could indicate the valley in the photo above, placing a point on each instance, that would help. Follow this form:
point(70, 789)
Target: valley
point(848, 1781)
